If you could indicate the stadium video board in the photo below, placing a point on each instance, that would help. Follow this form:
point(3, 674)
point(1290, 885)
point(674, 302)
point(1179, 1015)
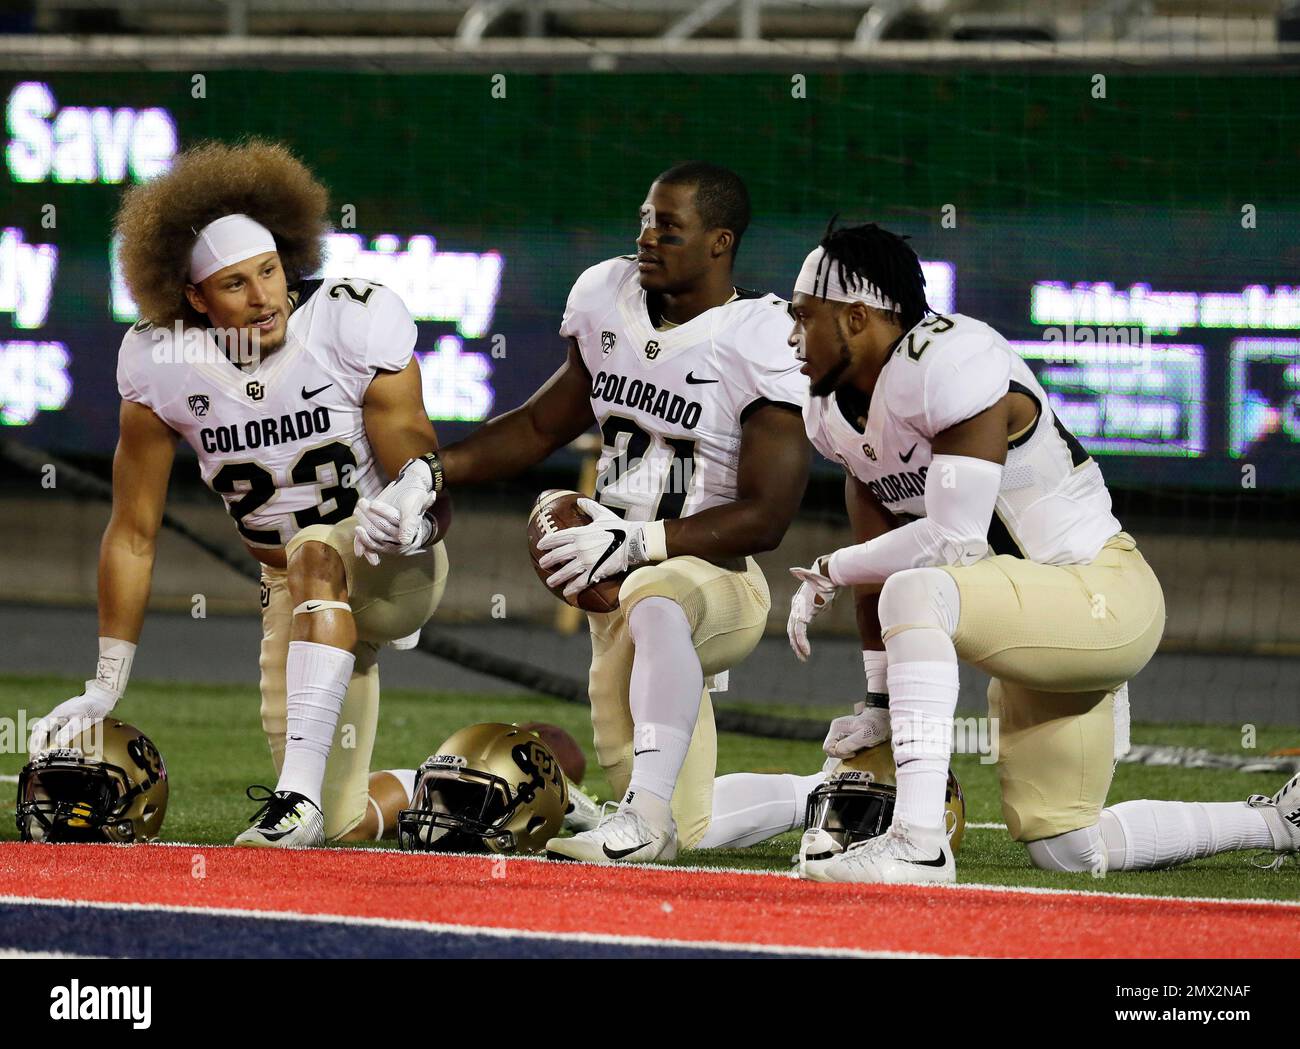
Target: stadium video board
point(1172, 367)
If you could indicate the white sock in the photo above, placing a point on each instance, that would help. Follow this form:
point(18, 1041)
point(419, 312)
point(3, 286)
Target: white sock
point(664, 695)
point(317, 680)
point(1141, 835)
point(406, 777)
point(922, 700)
point(749, 808)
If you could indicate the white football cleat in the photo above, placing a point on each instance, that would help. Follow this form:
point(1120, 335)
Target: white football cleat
point(584, 811)
point(1282, 814)
point(624, 836)
point(286, 820)
point(902, 855)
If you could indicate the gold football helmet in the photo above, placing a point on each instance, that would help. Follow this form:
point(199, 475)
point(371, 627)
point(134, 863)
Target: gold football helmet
point(857, 802)
point(108, 784)
point(490, 787)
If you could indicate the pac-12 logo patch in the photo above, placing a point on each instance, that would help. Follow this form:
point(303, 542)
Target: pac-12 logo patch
point(607, 340)
point(255, 390)
point(651, 350)
point(199, 404)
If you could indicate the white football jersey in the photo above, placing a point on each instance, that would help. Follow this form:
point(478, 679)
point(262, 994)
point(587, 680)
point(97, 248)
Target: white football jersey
point(283, 443)
point(1052, 507)
point(670, 404)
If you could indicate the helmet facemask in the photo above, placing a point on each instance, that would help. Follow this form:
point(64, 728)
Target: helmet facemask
point(490, 788)
point(457, 809)
point(109, 786)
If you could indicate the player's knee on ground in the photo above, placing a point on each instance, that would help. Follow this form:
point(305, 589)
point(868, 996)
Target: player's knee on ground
point(919, 598)
point(388, 796)
point(1075, 851)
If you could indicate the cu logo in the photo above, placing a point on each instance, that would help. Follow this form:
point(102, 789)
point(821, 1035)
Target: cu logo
point(255, 390)
point(651, 350)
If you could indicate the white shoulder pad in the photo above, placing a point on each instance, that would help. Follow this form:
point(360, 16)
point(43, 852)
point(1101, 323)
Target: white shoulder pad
point(764, 360)
point(939, 380)
point(377, 334)
point(594, 290)
point(135, 357)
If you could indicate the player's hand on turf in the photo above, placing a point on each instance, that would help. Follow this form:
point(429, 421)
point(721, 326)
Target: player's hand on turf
point(589, 553)
point(866, 727)
point(70, 718)
point(815, 593)
point(394, 521)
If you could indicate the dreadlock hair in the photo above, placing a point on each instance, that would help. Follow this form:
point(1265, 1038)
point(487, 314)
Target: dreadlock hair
point(159, 220)
point(875, 256)
point(721, 197)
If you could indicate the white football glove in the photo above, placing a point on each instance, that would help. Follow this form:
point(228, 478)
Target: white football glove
point(394, 522)
point(866, 727)
point(815, 593)
point(588, 553)
point(71, 718)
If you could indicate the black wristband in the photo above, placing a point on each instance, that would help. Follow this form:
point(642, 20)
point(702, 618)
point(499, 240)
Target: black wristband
point(435, 468)
point(879, 700)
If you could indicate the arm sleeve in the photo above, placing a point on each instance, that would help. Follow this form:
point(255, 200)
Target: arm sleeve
point(960, 495)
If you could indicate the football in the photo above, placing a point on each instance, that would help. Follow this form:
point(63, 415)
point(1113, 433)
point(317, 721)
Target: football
point(573, 762)
point(556, 509)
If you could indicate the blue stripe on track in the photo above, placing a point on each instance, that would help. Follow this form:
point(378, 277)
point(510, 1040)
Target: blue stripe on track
point(163, 934)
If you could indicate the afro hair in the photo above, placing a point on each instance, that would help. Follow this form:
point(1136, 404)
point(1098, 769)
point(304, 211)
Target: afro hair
point(159, 220)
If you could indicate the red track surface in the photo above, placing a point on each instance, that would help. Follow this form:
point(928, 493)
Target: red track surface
point(660, 903)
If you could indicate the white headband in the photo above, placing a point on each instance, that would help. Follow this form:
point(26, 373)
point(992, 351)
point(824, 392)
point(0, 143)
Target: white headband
point(230, 239)
point(820, 276)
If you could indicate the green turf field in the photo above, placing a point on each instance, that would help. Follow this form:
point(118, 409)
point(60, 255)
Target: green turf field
point(211, 740)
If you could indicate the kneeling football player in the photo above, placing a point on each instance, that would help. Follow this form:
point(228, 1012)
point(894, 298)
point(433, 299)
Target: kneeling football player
point(984, 533)
point(704, 464)
point(298, 396)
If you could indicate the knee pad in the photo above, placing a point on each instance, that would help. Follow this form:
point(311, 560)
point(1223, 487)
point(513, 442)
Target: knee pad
point(653, 617)
point(1076, 851)
point(309, 607)
point(919, 598)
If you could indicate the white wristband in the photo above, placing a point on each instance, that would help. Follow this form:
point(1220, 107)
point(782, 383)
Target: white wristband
point(656, 541)
point(114, 667)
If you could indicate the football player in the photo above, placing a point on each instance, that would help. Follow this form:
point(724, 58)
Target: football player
point(704, 464)
point(983, 532)
point(299, 398)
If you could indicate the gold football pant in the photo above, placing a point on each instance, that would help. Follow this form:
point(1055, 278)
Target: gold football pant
point(1058, 640)
point(727, 611)
point(390, 600)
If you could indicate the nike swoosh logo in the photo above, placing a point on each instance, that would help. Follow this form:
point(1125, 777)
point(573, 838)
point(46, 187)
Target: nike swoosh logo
point(692, 380)
point(936, 862)
point(908, 457)
point(308, 395)
point(276, 835)
point(619, 535)
point(638, 753)
point(618, 854)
